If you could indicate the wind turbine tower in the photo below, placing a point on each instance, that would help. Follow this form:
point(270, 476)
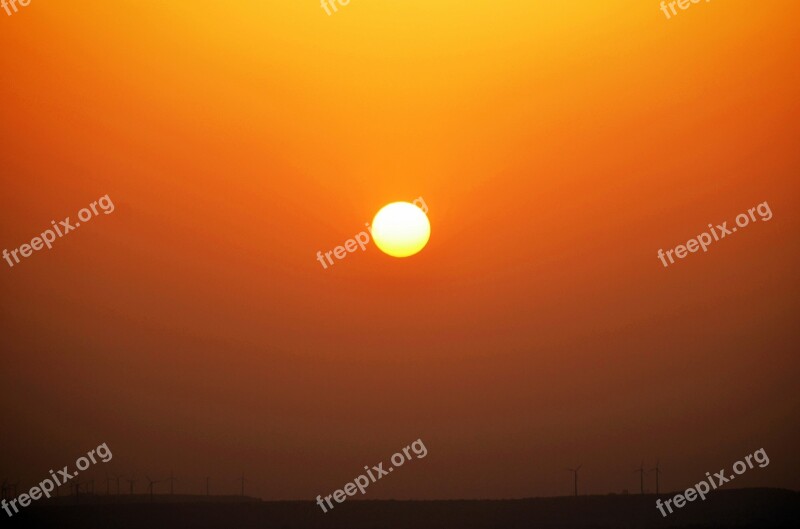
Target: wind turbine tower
point(150, 486)
point(575, 472)
point(640, 470)
point(131, 482)
point(171, 480)
point(657, 470)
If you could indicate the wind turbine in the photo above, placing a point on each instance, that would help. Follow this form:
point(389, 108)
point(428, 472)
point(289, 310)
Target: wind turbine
point(13, 486)
point(150, 486)
point(657, 470)
point(242, 480)
point(76, 487)
point(171, 480)
point(117, 478)
point(6, 489)
point(208, 487)
point(131, 481)
point(575, 471)
point(640, 470)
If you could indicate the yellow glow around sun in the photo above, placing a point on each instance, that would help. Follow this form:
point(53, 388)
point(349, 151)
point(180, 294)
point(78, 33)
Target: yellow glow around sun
point(401, 229)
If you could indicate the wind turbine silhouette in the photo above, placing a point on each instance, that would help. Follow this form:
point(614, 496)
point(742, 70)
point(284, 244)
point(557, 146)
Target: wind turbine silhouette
point(131, 481)
point(5, 490)
point(171, 480)
point(208, 486)
point(657, 470)
point(76, 487)
point(117, 478)
point(640, 470)
point(150, 486)
point(575, 471)
point(242, 480)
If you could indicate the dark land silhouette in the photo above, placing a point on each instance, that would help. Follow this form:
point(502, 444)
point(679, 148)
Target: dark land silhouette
point(739, 508)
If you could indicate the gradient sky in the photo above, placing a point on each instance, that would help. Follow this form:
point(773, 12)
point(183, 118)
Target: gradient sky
point(558, 146)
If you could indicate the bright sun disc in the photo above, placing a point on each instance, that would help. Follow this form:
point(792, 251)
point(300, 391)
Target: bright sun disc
point(401, 229)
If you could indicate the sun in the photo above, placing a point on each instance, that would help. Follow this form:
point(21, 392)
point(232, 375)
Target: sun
point(401, 229)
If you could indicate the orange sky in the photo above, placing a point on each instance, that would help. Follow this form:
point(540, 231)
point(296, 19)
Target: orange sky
point(558, 146)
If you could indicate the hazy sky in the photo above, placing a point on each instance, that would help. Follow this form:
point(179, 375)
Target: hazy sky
point(558, 147)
